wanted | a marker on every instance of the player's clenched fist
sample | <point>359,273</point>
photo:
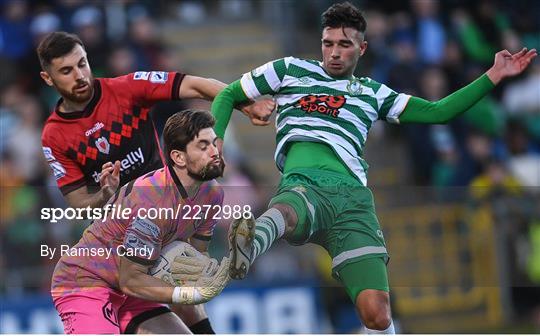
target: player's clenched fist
<point>260,112</point>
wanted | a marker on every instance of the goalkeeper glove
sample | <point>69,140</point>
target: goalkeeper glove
<point>192,266</point>
<point>205,288</point>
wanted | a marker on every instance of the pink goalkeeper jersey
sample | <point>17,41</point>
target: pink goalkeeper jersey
<point>94,260</point>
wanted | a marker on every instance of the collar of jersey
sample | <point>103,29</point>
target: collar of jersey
<point>177,182</point>
<point>87,110</point>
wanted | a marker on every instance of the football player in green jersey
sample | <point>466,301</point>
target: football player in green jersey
<point>324,114</point>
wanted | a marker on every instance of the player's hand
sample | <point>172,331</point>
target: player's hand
<point>190,267</point>
<point>260,111</point>
<point>109,179</point>
<point>206,287</point>
<point>507,65</point>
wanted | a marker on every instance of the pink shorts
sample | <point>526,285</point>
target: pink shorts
<point>104,311</point>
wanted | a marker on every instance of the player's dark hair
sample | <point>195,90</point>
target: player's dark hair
<point>54,45</point>
<point>182,127</point>
<point>344,15</point>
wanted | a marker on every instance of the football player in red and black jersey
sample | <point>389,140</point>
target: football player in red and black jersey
<point>100,134</point>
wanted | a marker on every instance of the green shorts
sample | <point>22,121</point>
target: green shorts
<point>338,213</point>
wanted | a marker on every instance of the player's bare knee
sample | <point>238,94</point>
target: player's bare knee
<point>379,320</point>
<point>291,219</point>
<point>374,308</point>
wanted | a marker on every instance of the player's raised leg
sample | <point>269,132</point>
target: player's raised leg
<point>241,234</point>
<point>374,307</point>
<point>366,283</point>
<point>249,238</point>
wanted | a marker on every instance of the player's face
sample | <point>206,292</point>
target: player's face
<point>203,161</point>
<point>71,76</point>
<point>341,49</point>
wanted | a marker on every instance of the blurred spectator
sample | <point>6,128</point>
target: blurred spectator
<point>25,143</point>
<point>121,61</point>
<point>524,161</point>
<point>481,30</point>
<point>522,100</point>
<point>476,154</point>
<point>14,33</point>
<point>379,59</point>
<point>453,65</point>
<point>89,26</point>
<point>433,86</point>
<point>191,12</point>
<point>41,25</point>
<point>493,181</point>
<point>430,33</point>
<point>144,41</point>
<point>65,10</point>
<point>444,168</point>
<point>406,65</point>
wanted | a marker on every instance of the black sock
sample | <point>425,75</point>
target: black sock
<point>202,327</point>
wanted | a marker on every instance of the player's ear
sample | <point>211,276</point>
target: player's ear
<point>363,47</point>
<point>178,157</point>
<point>46,77</point>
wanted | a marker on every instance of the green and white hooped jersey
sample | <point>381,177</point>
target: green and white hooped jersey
<point>313,106</point>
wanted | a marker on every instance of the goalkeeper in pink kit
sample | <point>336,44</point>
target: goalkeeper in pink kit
<point>115,294</point>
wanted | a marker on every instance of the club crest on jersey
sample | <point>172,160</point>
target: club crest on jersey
<point>324,104</point>
<point>103,145</point>
<point>354,87</point>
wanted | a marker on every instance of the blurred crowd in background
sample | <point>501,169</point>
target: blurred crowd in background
<point>425,48</point>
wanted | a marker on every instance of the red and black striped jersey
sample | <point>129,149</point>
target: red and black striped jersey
<point>115,125</point>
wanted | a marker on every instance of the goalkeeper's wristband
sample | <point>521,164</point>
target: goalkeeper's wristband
<point>186,295</point>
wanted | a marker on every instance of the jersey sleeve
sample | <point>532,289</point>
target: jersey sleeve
<point>142,235</point>
<point>266,79</point>
<point>419,110</point>
<point>390,103</point>
<point>149,87</point>
<point>215,200</point>
<point>67,173</point>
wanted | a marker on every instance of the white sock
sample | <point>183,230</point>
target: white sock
<point>268,228</point>
<point>388,331</point>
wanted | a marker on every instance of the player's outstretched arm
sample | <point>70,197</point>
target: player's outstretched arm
<point>208,88</point>
<point>199,87</point>
<point>233,95</point>
<point>505,65</point>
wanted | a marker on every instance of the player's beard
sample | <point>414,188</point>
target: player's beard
<point>73,96</point>
<point>206,173</point>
